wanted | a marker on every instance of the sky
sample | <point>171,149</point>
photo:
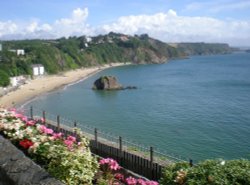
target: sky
<point>221,21</point>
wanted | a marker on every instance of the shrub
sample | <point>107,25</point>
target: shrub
<point>65,158</point>
<point>217,172</point>
<point>4,79</point>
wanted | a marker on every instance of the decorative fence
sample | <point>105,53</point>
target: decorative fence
<point>139,159</point>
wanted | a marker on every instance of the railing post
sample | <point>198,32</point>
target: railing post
<point>44,117</point>
<point>151,162</point>
<point>96,141</point>
<point>75,125</point>
<point>96,135</point>
<point>120,151</point>
<point>120,143</point>
<point>190,162</point>
<point>31,112</point>
<point>151,154</point>
<point>58,123</point>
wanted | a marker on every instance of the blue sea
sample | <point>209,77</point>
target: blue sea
<point>197,108</point>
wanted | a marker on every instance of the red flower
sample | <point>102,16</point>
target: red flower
<point>26,143</point>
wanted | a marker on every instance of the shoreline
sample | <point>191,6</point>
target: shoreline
<point>46,84</point>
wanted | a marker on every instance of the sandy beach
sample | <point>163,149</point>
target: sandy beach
<point>48,83</point>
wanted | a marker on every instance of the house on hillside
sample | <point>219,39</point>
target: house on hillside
<point>89,39</point>
<point>38,70</point>
<point>20,52</point>
<point>17,81</point>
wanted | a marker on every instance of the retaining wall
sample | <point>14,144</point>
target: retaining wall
<point>17,169</point>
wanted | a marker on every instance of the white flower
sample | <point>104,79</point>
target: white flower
<point>44,138</point>
<point>34,147</point>
<point>222,162</point>
<point>29,131</point>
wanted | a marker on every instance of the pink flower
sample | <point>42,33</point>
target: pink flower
<point>24,118</point>
<point>42,120</point>
<point>42,128</point>
<point>71,138</point>
<point>111,163</point>
<point>69,144</point>
<point>131,181</point>
<point>49,131</point>
<point>141,182</point>
<point>45,130</point>
<point>12,109</point>
<point>104,161</point>
<point>17,115</point>
<point>114,165</point>
<point>30,123</point>
<point>151,183</point>
<point>57,135</point>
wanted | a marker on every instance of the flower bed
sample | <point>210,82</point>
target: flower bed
<point>111,175</point>
<point>63,157</point>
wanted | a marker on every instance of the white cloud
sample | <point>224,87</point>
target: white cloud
<point>46,27</point>
<point>75,25</point>
<point>78,17</point>
<point>65,27</point>
<point>32,27</point>
<point>7,27</point>
<point>166,26</point>
<point>170,27</point>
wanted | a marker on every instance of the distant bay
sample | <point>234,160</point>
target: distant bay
<point>198,108</point>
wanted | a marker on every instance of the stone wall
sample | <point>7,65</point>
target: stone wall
<point>17,169</point>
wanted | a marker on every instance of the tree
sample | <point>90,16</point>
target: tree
<point>4,79</point>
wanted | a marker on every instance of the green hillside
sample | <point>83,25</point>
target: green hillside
<point>64,54</point>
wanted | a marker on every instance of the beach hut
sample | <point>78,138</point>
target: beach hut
<point>38,69</point>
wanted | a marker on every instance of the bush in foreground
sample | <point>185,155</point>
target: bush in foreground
<point>216,172</point>
<point>67,159</point>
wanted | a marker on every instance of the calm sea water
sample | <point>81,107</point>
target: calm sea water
<point>198,108</point>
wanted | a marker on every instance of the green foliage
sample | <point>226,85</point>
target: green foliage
<point>74,52</point>
<point>4,79</point>
<point>216,172</point>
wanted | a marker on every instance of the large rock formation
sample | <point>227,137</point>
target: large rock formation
<point>107,83</point>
